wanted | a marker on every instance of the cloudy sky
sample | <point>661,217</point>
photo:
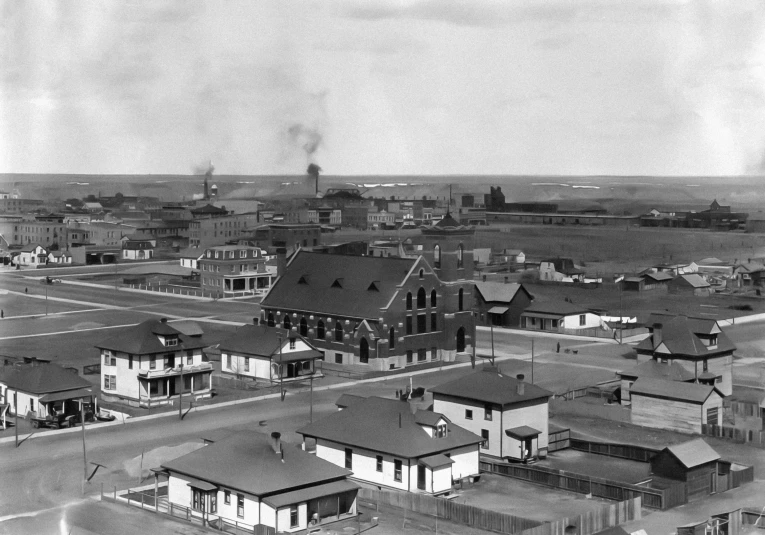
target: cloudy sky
<point>383,86</point>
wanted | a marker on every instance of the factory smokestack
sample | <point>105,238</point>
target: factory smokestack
<point>313,171</point>
<point>208,175</point>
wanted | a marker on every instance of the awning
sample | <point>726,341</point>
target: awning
<point>543,315</point>
<point>522,432</point>
<point>310,493</point>
<point>294,356</point>
<point>202,485</point>
<point>436,461</point>
<point>67,394</point>
<point>498,310</point>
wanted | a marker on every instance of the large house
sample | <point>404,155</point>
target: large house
<point>697,344</point>
<point>652,369</point>
<point>138,247</point>
<point>249,480</point>
<point>44,390</point>
<point>153,364</point>
<point>231,270</point>
<point>32,254</point>
<point>384,312</point>
<point>509,414</point>
<point>388,444</point>
<point>268,354</point>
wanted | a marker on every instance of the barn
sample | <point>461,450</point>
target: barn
<point>673,405</point>
<point>693,462</point>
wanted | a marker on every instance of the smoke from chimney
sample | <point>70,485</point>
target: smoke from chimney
<point>313,171</point>
<point>309,139</point>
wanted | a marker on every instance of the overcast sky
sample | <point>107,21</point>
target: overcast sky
<point>383,86</point>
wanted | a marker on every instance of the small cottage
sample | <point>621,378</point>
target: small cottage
<point>500,304</point>
<point>682,407</point>
<point>32,254</point>
<point>693,462</point>
<point>690,284</point>
<point>559,317</point>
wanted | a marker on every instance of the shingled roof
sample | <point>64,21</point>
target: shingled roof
<point>263,341</point>
<point>673,390</point>
<point>338,284</point>
<point>491,386</point>
<point>497,292</point>
<point>693,453</point>
<point>247,462</point>
<point>557,308</point>
<point>142,339</point>
<point>655,369</point>
<point>388,426</point>
<point>41,379</point>
<point>679,335</point>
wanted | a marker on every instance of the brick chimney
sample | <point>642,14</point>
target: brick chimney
<point>276,442</point>
<point>521,385</point>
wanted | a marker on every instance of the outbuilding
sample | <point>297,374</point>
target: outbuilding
<point>693,462</point>
<point>691,284</point>
<point>682,407</point>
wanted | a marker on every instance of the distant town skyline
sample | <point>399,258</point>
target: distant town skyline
<point>383,87</point>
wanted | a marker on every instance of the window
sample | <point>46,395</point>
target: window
<point>293,516</point>
<point>487,412</point>
<point>409,356</point>
<point>242,254</point>
<point>303,330</point>
<point>437,256</point>
<point>433,298</point>
<point>214,502</point>
<point>292,343</point>
<point>460,300</point>
<point>270,320</point>
<point>197,500</point>
<point>460,256</point>
<point>409,325</point>
<point>433,322</point>
<point>468,414</point>
<point>379,464</point>
<point>31,404</point>
<point>485,437</point>
<point>109,359</point>
<point>287,322</point>
<point>171,342</point>
<point>240,505</point>
<point>320,333</point>
<point>246,364</point>
<point>397,470</point>
<point>130,362</point>
<point>392,338</point>
<point>421,299</point>
<point>153,388</point>
<point>409,301</point>
<point>338,358</point>
<point>433,353</point>
<point>338,332</point>
<point>422,323</point>
<point>422,355</point>
<point>422,274</point>
<point>110,382</point>
<point>349,458</point>
<point>582,320</point>
<point>189,357</point>
<point>705,366</point>
<point>440,431</point>
<point>153,363</point>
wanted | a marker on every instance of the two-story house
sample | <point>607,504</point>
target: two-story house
<point>268,354</point>
<point>231,270</point>
<point>32,255</point>
<point>152,364</point>
<point>387,443</point>
<point>509,414</point>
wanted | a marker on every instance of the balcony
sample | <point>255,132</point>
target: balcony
<point>170,372</point>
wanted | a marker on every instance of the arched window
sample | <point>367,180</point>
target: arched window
<point>364,351</point>
<point>437,256</point>
<point>392,338</point>
<point>421,299</point>
<point>460,303</point>
<point>460,260</point>
<point>288,322</point>
<point>409,301</point>
<point>270,320</point>
<point>460,340</point>
<point>433,299</point>
<point>320,333</point>
<point>338,332</point>
<point>303,327</point>
<point>422,274</point>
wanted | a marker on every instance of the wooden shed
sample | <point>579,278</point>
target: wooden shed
<point>693,462</point>
<point>674,405</point>
<point>690,283</point>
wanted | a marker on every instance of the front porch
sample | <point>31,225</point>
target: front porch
<point>248,282</point>
<point>161,387</point>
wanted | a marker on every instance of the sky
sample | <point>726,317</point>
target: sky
<point>379,87</point>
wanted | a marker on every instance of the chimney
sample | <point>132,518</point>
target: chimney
<point>163,320</point>
<point>657,335</point>
<point>276,442</point>
<point>521,384</point>
<point>255,321</point>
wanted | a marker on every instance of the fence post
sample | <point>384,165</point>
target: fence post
<point>128,496</point>
<point>115,492</point>
<point>102,490</point>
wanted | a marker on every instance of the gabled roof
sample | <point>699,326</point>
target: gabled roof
<point>693,280</point>
<point>655,369</point>
<point>693,453</point>
<point>209,209</point>
<point>258,340</point>
<point>247,462</point>
<point>558,308</point>
<point>41,379</point>
<point>346,400</point>
<point>30,247</point>
<point>188,327</point>
<point>679,336</point>
<point>673,390</point>
<point>490,386</point>
<point>659,276</point>
<point>386,426</point>
<point>353,298</point>
<point>142,339</point>
<point>192,252</point>
<point>496,292</point>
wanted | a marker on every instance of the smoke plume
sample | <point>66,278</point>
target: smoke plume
<point>204,169</point>
<point>307,138</point>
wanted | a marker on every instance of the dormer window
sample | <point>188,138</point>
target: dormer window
<point>171,342</point>
<point>243,253</point>
<point>303,279</point>
<point>373,287</point>
<point>338,283</point>
<point>292,343</point>
<point>440,431</point>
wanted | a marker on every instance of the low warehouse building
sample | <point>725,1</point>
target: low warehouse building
<point>682,407</point>
<point>693,462</point>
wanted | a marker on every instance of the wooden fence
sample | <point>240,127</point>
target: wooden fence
<point>558,439</point>
<point>623,451</point>
<point>459,513</point>
<point>739,476</point>
<point>672,495</point>
<point>592,521</point>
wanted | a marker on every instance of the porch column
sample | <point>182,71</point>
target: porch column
<point>156,492</point>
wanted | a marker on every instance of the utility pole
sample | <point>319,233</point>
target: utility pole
<point>84,453</point>
<point>281,370</point>
<point>532,361</point>
<point>16,413</point>
<point>621,311</point>
<point>491,324</point>
<point>180,396</point>
<point>46,296</point>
